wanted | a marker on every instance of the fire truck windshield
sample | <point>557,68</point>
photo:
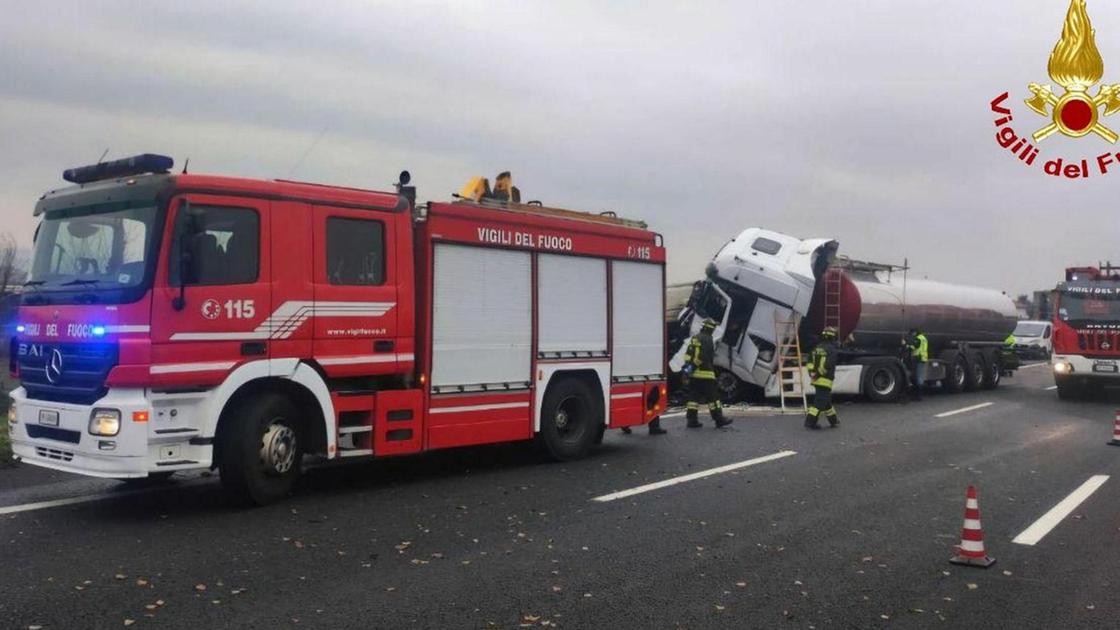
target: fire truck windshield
<point>93,254</point>
<point>1089,304</point>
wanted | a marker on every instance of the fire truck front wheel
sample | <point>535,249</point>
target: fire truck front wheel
<point>570,420</point>
<point>262,450</point>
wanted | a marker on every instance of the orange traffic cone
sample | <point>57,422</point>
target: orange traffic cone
<point>1115,441</point>
<point>971,550</point>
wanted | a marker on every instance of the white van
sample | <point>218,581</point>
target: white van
<point>1034,339</point>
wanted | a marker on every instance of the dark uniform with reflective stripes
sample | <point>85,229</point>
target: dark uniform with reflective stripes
<point>822,369</point>
<point>702,378</point>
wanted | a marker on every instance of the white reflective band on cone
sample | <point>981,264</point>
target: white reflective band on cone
<point>971,523</point>
<point>972,545</point>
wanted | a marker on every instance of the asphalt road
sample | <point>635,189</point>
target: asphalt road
<point>854,530</point>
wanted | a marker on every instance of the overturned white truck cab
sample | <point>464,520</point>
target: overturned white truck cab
<point>763,285</point>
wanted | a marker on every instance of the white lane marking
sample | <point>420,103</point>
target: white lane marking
<point>675,414</point>
<point>173,368</point>
<point>1031,365</point>
<point>512,405</point>
<point>622,494</point>
<point>1049,520</point>
<point>1051,388</point>
<point>963,410</point>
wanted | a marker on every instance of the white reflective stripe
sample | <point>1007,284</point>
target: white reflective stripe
<point>972,504</point>
<point>289,316</point>
<point>623,396</point>
<point>169,368</point>
<point>972,545</point>
<point>515,405</point>
<point>365,358</point>
<point>971,523</point>
<point>128,329</point>
<point>218,336</point>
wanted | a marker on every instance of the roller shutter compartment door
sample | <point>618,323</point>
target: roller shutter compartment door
<point>482,319</point>
<point>637,329</point>
<point>571,306</point>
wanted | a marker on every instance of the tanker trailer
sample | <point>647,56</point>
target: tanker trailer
<point>761,280</point>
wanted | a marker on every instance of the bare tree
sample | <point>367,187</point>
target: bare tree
<point>11,271</point>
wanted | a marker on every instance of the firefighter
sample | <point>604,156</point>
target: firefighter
<point>822,369</point>
<point>918,345</point>
<point>701,377</point>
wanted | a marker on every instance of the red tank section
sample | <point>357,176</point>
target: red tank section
<point>847,308</point>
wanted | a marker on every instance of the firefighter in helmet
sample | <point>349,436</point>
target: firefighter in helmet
<point>822,369</point>
<point>701,376</point>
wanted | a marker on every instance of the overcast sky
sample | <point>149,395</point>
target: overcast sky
<point>867,122</point>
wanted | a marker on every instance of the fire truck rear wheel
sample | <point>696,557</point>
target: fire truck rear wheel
<point>262,449</point>
<point>570,420</point>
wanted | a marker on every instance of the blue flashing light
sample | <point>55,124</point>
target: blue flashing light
<point>20,328</point>
<point>98,331</point>
<point>135,165</point>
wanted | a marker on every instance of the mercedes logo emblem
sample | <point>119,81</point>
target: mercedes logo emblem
<point>54,367</point>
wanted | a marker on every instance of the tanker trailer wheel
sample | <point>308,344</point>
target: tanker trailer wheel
<point>974,376</point>
<point>956,373</point>
<point>570,420</point>
<point>884,382</point>
<point>261,449</point>
<point>993,371</point>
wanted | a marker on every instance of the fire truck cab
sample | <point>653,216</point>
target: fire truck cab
<point>1087,330</point>
<point>179,322</point>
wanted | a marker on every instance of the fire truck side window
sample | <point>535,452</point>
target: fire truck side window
<point>223,246</point>
<point>355,251</point>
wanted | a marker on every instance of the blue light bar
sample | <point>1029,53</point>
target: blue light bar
<point>20,328</point>
<point>98,331</point>
<point>135,165</point>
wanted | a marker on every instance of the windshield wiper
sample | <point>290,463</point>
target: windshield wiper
<point>80,281</point>
<point>34,283</point>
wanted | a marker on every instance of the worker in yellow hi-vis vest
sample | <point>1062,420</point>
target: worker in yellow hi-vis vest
<point>700,371</point>
<point>919,355</point>
<point>822,370</point>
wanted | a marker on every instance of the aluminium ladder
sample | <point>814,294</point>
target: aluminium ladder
<point>791,375</point>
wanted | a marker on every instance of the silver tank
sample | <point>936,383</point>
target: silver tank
<point>885,308</point>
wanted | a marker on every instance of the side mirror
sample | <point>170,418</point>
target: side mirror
<point>182,256</point>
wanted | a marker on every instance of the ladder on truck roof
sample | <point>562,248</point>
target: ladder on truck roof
<point>535,208</point>
<point>791,376</point>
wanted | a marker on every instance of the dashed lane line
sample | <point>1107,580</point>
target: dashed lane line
<point>1049,389</point>
<point>1050,520</point>
<point>1033,365</point>
<point>964,410</point>
<point>90,498</point>
<point>649,487</point>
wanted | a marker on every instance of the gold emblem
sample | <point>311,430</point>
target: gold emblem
<point>1076,65</point>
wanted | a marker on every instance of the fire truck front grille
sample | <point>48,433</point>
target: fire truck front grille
<point>66,372</point>
<point>1100,341</point>
<point>54,453</point>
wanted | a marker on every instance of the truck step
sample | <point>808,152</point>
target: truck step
<point>355,452</point>
<point>354,429</point>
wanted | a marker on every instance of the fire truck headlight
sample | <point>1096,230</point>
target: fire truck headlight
<point>1062,368</point>
<point>106,422</point>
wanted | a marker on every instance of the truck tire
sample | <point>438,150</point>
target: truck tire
<point>731,389</point>
<point>570,420</point>
<point>1068,389</point>
<point>993,370</point>
<point>956,373</point>
<point>883,382</point>
<point>974,376</point>
<point>261,450</point>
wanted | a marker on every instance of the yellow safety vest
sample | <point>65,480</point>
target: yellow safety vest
<point>921,351</point>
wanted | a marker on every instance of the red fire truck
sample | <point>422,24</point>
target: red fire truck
<point>1087,330</point>
<point>178,322</point>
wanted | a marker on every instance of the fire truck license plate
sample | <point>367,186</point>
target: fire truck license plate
<point>1105,366</point>
<point>48,417</point>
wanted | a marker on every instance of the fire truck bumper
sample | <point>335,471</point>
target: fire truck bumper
<point>1085,368</point>
<point>59,436</point>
